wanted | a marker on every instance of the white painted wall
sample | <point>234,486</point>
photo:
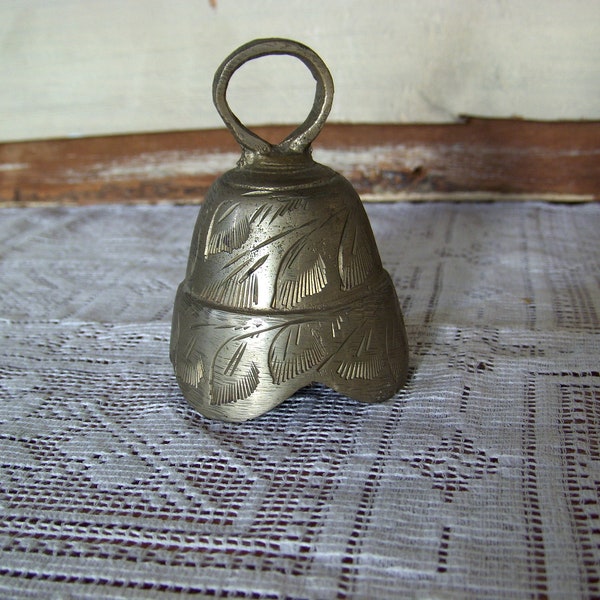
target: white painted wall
<point>88,67</point>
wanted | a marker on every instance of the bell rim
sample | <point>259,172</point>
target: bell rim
<point>367,382</point>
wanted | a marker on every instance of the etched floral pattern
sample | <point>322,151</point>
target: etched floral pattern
<point>306,268</point>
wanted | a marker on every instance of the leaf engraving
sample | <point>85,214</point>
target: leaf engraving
<point>239,288</point>
<point>277,207</point>
<point>190,371</point>
<point>186,355</point>
<point>234,374</point>
<point>361,355</point>
<point>395,346</point>
<point>296,349</point>
<point>297,282</point>
<point>303,271</point>
<point>357,255</point>
<point>229,229</point>
<point>366,368</point>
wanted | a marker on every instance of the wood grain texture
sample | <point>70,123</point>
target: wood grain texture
<point>477,159</point>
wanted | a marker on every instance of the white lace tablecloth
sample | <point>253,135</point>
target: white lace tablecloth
<point>479,480</point>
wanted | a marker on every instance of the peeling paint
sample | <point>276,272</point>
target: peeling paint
<point>13,166</point>
<point>161,165</point>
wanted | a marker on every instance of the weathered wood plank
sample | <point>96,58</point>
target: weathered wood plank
<point>477,159</point>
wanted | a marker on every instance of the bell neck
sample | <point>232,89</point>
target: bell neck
<point>276,158</point>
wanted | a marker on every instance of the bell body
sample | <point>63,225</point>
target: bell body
<point>284,284</point>
<point>284,287</point>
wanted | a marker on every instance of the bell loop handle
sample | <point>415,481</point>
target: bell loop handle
<point>300,139</point>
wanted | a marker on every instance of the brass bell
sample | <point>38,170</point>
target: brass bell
<point>284,283</point>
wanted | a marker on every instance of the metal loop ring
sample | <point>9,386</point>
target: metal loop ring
<point>300,139</point>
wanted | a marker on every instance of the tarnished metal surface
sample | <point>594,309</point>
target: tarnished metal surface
<point>284,284</point>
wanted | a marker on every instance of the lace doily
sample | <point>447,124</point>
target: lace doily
<point>480,479</point>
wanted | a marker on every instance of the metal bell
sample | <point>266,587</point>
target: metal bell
<point>284,283</point>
